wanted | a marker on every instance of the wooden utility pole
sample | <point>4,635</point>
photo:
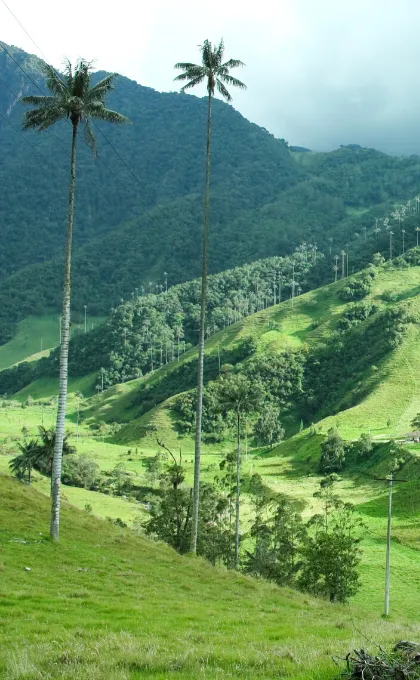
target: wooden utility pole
<point>293,282</point>
<point>390,480</point>
<point>388,548</point>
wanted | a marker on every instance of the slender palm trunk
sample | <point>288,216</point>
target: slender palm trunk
<point>238,489</point>
<point>199,410</point>
<point>64,352</point>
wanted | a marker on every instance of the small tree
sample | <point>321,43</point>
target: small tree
<point>154,468</point>
<point>38,454</point>
<point>120,480</point>
<point>279,537</point>
<point>171,515</point>
<point>268,427</point>
<point>365,444</point>
<point>378,259</point>
<point>414,423</point>
<point>21,465</point>
<point>332,452</point>
<point>238,394</point>
<point>81,471</point>
<point>330,555</point>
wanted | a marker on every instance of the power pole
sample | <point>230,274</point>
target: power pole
<point>390,480</point>
<point>388,547</point>
<point>78,415</point>
<point>85,306</point>
<point>293,282</point>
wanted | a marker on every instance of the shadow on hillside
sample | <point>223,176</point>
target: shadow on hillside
<point>407,294</point>
<point>405,502</point>
<point>293,458</point>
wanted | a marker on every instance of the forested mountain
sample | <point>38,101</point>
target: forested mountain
<point>139,205</point>
<point>153,328</point>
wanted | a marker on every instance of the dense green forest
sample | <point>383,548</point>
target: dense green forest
<point>139,205</point>
<point>155,327</point>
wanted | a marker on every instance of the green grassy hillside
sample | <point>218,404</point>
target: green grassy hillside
<point>35,336</point>
<point>384,391</point>
<point>107,604</point>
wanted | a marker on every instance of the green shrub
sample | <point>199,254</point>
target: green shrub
<point>81,471</point>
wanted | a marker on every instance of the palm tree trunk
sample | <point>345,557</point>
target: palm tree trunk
<point>238,489</point>
<point>64,352</point>
<point>199,408</point>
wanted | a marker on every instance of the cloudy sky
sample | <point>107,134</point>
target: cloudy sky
<point>319,72</point>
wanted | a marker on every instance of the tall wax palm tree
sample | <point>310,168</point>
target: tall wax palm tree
<point>74,98</point>
<point>215,74</point>
<point>238,394</point>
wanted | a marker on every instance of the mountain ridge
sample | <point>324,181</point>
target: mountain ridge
<point>140,216</point>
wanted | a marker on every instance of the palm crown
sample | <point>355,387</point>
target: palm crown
<point>72,97</point>
<point>212,70</point>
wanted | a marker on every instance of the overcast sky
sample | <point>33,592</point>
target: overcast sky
<point>320,73</point>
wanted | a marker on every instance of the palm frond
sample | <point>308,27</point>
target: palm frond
<point>53,81</point>
<point>223,91</point>
<point>89,138</point>
<point>206,54</point>
<point>39,100</point>
<point>186,66</point>
<point>193,83</point>
<point>68,74</point>
<point>101,89</point>
<point>41,119</point>
<point>233,63</point>
<point>230,80</point>
<point>219,51</point>
<point>196,72</point>
<point>82,78</point>
<point>98,110</point>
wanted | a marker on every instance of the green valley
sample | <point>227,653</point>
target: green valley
<point>379,397</point>
<point>210,424</point>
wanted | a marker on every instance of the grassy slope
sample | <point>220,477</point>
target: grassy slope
<point>291,467</point>
<point>33,333</point>
<point>310,320</point>
<point>106,604</point>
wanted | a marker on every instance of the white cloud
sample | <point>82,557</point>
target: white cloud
<point>318,73</point>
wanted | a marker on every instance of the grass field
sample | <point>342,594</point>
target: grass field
<point>107,604</point>
<point>393,393</point>
<point>35,336</point>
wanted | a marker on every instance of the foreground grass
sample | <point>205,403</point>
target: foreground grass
<point>105,603</point>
